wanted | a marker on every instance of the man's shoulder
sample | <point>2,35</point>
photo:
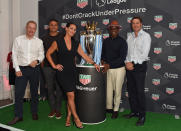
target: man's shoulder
<point>44,36</point>
<point>20,37</point>
<point>38,39</point>
<point>48,37</point>
<point>145,33</point>
<point>130,34</point>
<point>107,39</point>
<point>106,42</point>
<point>121,38</point>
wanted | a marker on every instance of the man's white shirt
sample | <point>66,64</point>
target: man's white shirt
<point>26,50</point>
<point>138,47</point>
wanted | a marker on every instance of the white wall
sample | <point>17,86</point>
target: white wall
<point>13,17</point>
<point>4,46</point>
<point>29,11</point>
<point>23,11</point>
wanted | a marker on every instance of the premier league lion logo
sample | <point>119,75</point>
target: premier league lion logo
<point>100,3</point>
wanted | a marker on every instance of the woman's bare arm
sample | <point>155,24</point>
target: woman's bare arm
<point>50,51</point>
<point>87,58</point>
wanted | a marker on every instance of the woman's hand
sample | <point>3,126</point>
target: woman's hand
<point>58,67</point>
<point>97,67</point>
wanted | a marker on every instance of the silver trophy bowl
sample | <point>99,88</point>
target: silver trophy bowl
<point>90,43</point>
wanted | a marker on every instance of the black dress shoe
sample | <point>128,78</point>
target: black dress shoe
<point>15,120</point>
<point>140,121</point>
<point>114,115</point>
<point>109,110</point>
<point>128,116</point>
<point>35,116</point>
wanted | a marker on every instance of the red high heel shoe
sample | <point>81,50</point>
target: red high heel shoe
<point>68,123</point>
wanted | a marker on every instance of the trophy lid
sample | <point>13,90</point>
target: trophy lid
<point>91,26</point>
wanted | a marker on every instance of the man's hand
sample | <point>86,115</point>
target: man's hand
<point>106,67</point>
<point>129,66</point>
<point>33,63</point>
<point>19,73</point>
<point>42,64</point>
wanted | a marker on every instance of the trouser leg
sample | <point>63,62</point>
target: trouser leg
<point>119,75</point>
<point>20,86</point>
<point>110,86</point>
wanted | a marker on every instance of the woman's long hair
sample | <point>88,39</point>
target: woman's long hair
<point>68,25</point>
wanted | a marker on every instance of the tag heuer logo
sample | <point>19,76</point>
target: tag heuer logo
<point>157,50</point>
<point>158,34</point>
<point>172,58</point>
<point>158,18</point>
<point>155,97</point>
<point>105,36</point>
<point>63,25</point>
<point>173,26</point>
<point>105,21</point>
<point>129,19</point>
<point>170,90</point>
<point>84,79</point>
<point>83,23</point>
<point>46,27</point>
<point>82,3</point>
<point>156,66</point>
<point>156,81</point>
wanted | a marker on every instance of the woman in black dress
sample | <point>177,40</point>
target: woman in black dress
<point>67,49</point>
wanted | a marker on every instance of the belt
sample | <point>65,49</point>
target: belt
<point>144,62</point>
<point>28,66</point>
<point>25,66</point>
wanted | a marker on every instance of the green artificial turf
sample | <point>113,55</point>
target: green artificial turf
<point>154,121</point>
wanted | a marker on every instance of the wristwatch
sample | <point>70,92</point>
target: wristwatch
<point>38,62</point>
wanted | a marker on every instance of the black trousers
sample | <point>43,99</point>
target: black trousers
<point>32,75</point>
<point>43,89</point>
<point>135,86</point>
<point>54,90</point>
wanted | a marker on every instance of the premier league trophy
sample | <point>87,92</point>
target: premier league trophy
<point>91,42</point>
<point>90,93</point>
